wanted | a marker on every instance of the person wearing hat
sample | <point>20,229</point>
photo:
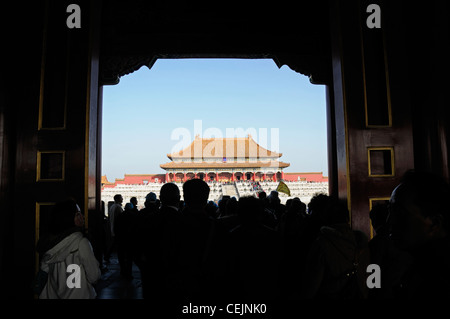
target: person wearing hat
<point>150,197</point>
<point>151,204</point>
<point>65,247</point>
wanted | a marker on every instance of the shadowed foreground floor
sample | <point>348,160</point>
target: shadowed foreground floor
<point>113,286</point>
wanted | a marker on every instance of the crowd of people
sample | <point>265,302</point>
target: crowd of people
<point>259,249</point>
<point>256,186</point>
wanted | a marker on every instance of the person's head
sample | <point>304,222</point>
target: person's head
<point>65,215</point>
<point>288,203</point>
<point>317,204</point>
<point>134,201</point>
<point>150,199</point>
<point>419,209</point>
<point>170,195</point>
<point>335,212</point>
<point>195,193</point>
<point>250,210</point>
<point>118,199</point>
<point>297,206</point>
<point>231,206</point>
<point>128,206</point>
<point>273,198</point>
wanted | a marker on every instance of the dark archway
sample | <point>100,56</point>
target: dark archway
<point>326,40</point>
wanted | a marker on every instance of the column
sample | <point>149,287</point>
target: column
<point>275,177</point>
<point>167,178</point>
<point>282,175</point>
<point>217,176</point>
<point>184,177</point>
<point>264,176</point>
<point>254,176</point>
<point>232,177</point>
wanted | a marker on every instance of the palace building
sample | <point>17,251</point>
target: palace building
<point>224,159</point>
<point>220,160</point>
<point>232,166</point>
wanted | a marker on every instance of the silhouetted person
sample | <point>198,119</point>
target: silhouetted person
<point>229,218</point>
<point>134,201</point>
<point>262,195</point>
<point>124,231</point>
<point>222,206</point>
<point>419,219</point>
<point>114,211</point>
<point>338,258</point>
<point>145,229</point>
<point>383,252</point>
<point>66,245</point>
<point>291,223</point>
<point>170,201</point>
<point>157,240</point>
<point>253,254</point>
<point>276,206</point>
<point>292,235</point>
<point>378,216</point>
<point>193,252</point>
<point>272,210</point>
<point>151,204</point>
<point>316,207</point>
<point>97,224</point>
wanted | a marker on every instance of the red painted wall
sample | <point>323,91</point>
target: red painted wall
<point>134,179</point>
<point>309,177</point>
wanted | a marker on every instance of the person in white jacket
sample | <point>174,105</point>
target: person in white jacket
<point>67,256</point>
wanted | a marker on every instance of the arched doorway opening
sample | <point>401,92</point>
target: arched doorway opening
<point>278,135</point>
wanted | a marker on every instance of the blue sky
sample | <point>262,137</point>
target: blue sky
<point>144,113</point>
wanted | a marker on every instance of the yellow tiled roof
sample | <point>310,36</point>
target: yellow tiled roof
<point>224,147</point>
